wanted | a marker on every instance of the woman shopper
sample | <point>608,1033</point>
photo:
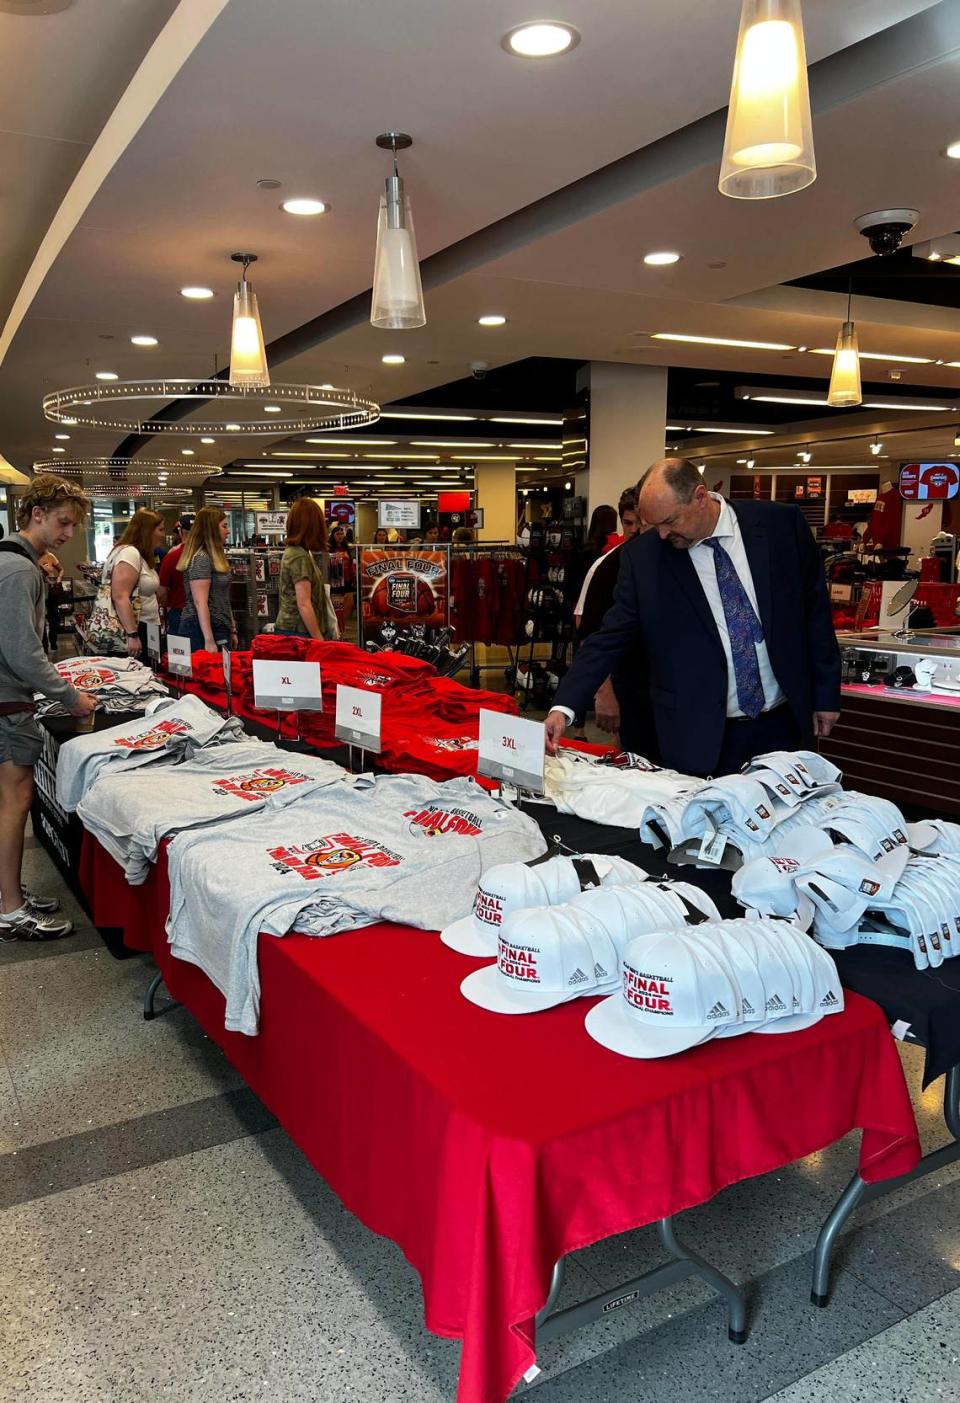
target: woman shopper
<point>305,607</point>
<point>342,575</point>
<point>207,619</point>
<point>130,591</point>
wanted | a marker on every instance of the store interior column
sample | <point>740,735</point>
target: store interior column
<point>627,422</point>
<point>496,492</point>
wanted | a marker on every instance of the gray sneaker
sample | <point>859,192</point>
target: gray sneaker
<point>30,924</point>
<point>45,904</point>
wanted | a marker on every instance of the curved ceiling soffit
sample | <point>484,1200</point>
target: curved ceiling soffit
<point>166,56</point>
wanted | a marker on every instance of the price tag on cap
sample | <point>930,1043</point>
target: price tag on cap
<point>511,749</point>
<point>713,846</point>
<point>153,640</point>
<point>283,686</point>
<point>179,655</point>
<point>358,717</point>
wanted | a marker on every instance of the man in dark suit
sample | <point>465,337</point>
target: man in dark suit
<point>729,604</point>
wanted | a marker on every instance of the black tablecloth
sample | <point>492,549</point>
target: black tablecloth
<point>928,1001</point>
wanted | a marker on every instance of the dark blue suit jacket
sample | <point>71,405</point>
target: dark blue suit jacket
<point>659,605</point>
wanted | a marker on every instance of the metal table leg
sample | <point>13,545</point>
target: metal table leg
<point>858,1191</point>
<point>150,1011</point>
<point>551,1323</point>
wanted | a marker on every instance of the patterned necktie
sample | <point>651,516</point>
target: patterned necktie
<point>744,630</point>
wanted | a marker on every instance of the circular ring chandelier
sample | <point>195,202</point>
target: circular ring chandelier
<point>131,477</point>
<point>92,407</point>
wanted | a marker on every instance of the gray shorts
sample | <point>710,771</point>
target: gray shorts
<point>20,739</point>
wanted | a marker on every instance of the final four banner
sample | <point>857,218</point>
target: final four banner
<point>402,587</point>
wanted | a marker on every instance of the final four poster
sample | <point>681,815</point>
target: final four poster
<point>403,586</point>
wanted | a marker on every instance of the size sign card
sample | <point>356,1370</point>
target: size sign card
<point>287,686</point>
<point>153,640</point>
<point>358,717</point>
<point>511,749</point>
<point>225,655</point>
<point>178,655</point>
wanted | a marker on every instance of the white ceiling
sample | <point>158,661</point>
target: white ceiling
<point>61,75</point>
<point>297,90</point>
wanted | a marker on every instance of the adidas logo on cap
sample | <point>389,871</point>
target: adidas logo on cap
<point>578,977</point>
<point>829,1000</point>
<point>718,1011</point>
<point>775,1004</point>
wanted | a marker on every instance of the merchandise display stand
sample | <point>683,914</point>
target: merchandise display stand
<point>858,1192</point>
<point>486,1193</point>
<point>553,1323</point>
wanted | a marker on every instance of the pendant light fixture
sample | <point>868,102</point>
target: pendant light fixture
<point>248,358</point>
<point>397,301</point>
<point>845,378</point>
<point>768,148</point>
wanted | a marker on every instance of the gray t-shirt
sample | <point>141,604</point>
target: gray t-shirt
<point>201,568</point>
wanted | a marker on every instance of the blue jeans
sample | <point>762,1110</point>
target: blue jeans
<point>193,631</point>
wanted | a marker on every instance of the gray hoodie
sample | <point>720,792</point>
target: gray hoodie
<point>24,667</point>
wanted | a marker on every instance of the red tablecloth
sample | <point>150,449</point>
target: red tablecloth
<point>486,1146</point>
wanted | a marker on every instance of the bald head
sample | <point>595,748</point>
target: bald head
<point>674,501</point>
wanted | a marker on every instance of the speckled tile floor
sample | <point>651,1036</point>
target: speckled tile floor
<point>161,1238</point>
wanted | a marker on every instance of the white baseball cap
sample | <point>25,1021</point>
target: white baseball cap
<point>743,962</point>
<point>518,886</point>
<point>509,887</point>
<point>674,994</point>
<point>818,986</point>
<point>544,958</point>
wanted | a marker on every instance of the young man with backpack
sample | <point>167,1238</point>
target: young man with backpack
<point>47,514</point>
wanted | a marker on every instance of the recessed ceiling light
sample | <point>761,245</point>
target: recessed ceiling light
<point>197,294</point>
<point>304,206</point>
<point>59,450</point>
<point>374,442</point>
<point>393,359</point>
<point>662,259</point>
<point>425,414</point>
<point>208,440</point>
<point>744,432</point>
<point>875,355</point>
<point>328,386</point>
<point>450,443</point>
<point>491,319</point>
<point>721,341</point>
<point>272,409</point>
<point>64,436</point>
<point>540,39</point>
<point>143,341</point>
<point>953,151</point>
<point>503,420</point>
<point>107,375</point>
<point>187,452</point>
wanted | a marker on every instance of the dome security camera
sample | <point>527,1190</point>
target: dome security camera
<point>478,369</point>
<point>884,228</point>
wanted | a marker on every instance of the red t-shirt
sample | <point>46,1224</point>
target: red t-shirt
<point>172,579</point>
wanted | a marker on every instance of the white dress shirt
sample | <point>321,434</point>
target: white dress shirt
<point>727,532</point>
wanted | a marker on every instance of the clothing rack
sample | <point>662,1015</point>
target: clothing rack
<point>494,551</point>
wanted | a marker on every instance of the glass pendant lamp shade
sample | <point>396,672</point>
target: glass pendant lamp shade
<point>397,294</point>
<point>768,148</point>
<point>248,358</point>
<point>845,379</point>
